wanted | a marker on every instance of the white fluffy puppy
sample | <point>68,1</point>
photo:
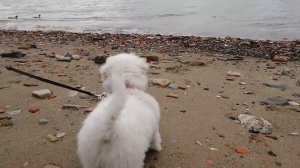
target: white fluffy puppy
<point>118,133</point>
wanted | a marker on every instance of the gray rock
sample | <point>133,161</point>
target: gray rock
<point>255,124</point>
<point>51,138</point>
<point>73,106</point>
<point>275,101</point>
<point>12,54</point>
<point>161,82</point>
<point>42,94</point>
<point>43,121</point>
<point>281,86</point>
<point>173,86</point>
<point>62,58</point>
<point>232,73</point>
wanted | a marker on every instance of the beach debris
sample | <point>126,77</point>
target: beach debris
<point>42,94</point>
<point>60,135</point>
<point>280,59</point>
<point>5,121</point>
<point>298,83</point>
<point>76,57</point>
<point>51,166</point>
<point>292,103</point>
<point>152,58</point>
<point>30,84</point>
<point>27,47</point>
<point>33,109</point>
<point>271,153</point>
<point>293,133</point>
<point>242,150</point>
<point>51,138</point>
<point>62,58</point>
<point>255,124</point>
<point>173,86</point>
<point>233,73</point>
<point>12,54</point>
<point>275,101</point>
<point>172,95</point>
<point>100,59</point>
<point>73,106</point>
<point>43,121</point>
<point>281,86</point>
<point>161,82</point>
<point>198,143</point>
<point>14,113</point>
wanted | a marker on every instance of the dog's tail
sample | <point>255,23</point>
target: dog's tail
<point>116,104</point>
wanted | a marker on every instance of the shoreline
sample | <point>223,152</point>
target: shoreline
<point>268,49</point>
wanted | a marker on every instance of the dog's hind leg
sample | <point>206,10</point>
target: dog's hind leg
<point>156,141</point>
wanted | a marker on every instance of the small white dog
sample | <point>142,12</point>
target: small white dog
<point>121,129</point>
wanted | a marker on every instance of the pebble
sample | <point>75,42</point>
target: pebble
<point>62,58</point>
<point>198,143</point>
<point>275,101</point>
<point>182,87</point>
<point>271,153</point>
<point>161,82</point>
<point>76,57</point>
<point>2,110</point>
<point>235,74</point>
<point>206,88</point>
<point>293,133</point>
<point>100,59</point>
<point>280,59</point>
<point>14,113</point>
<point>51,138</point>
<point>43,121</point>
<point>213,149</point>
<point>30,84</point>
<point>173,86</point>
<point>51,166</point>
<point>281,86</point>
<point>42,94</point>
<point>172,95</point>
<point>12,54</point>
<point>33,109</point>
<point>292,103</point>
<point>60,134</point>
<point>242,150</point>
<point>255,124</point>
<point>60,74</point>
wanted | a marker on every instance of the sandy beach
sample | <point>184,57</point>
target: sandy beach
<point>212,80</point>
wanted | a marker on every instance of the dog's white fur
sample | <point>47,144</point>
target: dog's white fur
<point>118,133</point>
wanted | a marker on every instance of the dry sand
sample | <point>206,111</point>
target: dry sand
<point>24,144</point>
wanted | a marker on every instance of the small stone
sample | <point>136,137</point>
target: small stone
<point>242,83</point>
<point>89,109</point>
<point>206,88</point>
<point>213,149</point>
<point>152,58</point>
<point>255,124</point>
<point>43,121</point>
<point>67,54</point>
<point>62,58</point>
<point>30,84</point>
<point>60,135</point>
<point>280,59</point>
<point>83,96</point>
<point>182,87</point>
<point>33,109</point>
<point>183,111</point>
<point>51,166</point>
<point>100,59</point>
<point>275,101</point>
<point>73,106</point>
<point>173,86</point>
<point>271,153</point>
<point>242,150</point>
<point>60,74</point>
<point>27,47</point>
<point>161,82</point>
<point>42,94</point>
<point>12,54</point>
<point>229,79</point>
<point>51,138</point>
<point>14,113</point>
<point>281,86</point>
<point>293,133</point>
<point>172,95</point>
<point>271,136</point>
<point>2,110</point>
<point>235,74</point>
<point>198,143</point>
<point>292,103</point>
<point>76,57</point>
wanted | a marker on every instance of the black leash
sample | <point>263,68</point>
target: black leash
<point>101,96</point>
